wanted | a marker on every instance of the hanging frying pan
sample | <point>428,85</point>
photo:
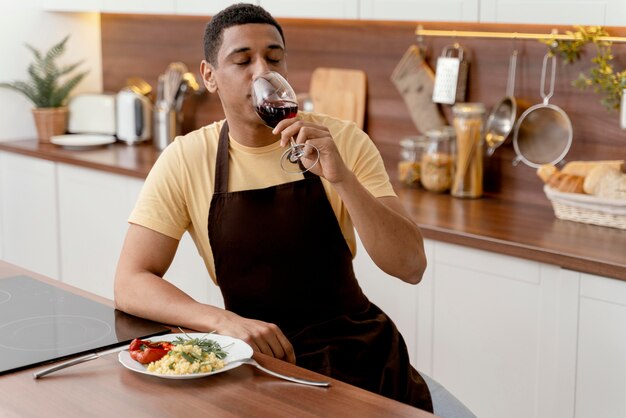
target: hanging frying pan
<point>543,133</point>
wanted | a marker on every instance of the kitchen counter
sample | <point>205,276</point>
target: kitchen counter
<point>524,230</point>
<point>103,387</point>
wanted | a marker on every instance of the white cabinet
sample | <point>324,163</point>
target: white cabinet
<point>190,275</point>
<point>421,10</point>
<point>29,213</point>
<point>1,205</point>
<point>94,208</point>
<point>561,12</point>
<point>503,332</point>
<point>203,7</point>
<point>564,12</point>
<point>396,298</point>
<point>601,372</point>
<point>187,270</point>
<point>499,332</point>
<point>139,6</point>
<point>72,5</point>
<point>112,6</point>
<point>181,7</point>
<point>317,9</point>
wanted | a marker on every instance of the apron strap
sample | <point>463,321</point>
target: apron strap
<point>221,164</point>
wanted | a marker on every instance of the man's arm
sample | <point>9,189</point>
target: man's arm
<point>392,240</point>
<point>141,290</point>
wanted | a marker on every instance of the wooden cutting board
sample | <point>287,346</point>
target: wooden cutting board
<point>339,92</point>
<point>415,81</point>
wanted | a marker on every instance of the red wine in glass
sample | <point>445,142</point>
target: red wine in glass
<point>273,100</point>
<point>273,112</point>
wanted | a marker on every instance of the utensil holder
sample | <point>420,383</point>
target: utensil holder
<point>166,127</point>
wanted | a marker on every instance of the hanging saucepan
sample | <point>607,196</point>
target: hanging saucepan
<point>543,133</point>
<point>504,114</point>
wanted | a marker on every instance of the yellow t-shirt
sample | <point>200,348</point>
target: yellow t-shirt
<point>177,193</point>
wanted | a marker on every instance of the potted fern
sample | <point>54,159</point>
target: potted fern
<point>48,87</point>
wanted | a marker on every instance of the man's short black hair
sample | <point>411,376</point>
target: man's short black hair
<point>237,14</point>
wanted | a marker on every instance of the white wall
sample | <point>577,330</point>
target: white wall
<point>22,22</point>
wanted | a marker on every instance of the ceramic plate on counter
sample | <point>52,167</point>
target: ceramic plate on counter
<point>82,141</point>
<point>238,351</point>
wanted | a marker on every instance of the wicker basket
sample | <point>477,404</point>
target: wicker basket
<point>587,209</point>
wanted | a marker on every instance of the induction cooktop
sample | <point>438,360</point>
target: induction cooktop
<point>40,323</point>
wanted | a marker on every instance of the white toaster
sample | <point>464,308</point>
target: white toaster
<point>134,117</point>
<point>92,113</point>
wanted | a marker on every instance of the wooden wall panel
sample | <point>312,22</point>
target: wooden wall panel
<point>144,45</point>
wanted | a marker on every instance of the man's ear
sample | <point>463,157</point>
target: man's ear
<point>208,76</point>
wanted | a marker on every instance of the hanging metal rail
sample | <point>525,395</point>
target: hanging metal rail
<point>420,31</point>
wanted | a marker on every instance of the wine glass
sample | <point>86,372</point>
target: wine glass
<point>274,100</point>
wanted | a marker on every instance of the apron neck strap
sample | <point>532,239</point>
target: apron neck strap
<point>221,165</point>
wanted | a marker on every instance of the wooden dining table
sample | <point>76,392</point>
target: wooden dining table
<point>103,387</point>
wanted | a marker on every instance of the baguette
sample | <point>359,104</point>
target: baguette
<point>546,171</point>
<point>582,168</point>
<point>558,180</point>
<point>567,183</point>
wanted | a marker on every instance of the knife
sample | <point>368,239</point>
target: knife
<point>78,360</point>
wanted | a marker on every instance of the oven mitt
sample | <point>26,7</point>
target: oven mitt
<point>415,81</point>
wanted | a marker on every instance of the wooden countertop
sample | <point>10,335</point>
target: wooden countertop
<point>524,230</point>
<point>102,387</point>
<point>134,161</point>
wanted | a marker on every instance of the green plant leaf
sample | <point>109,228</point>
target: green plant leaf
<point>44,86</point>
<point>62,92</point>
<point>26,89</point>
<point>69,68</point>
<point>601,76</point>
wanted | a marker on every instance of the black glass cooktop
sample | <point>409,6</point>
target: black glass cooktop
<point>40,323</point>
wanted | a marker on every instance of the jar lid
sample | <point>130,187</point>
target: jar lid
<point>438,134</point>
<point>412,142</point>
<point>468,109</point>
<point>450,130</point>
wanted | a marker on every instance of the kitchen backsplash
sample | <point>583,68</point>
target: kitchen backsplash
<point>144,46</point>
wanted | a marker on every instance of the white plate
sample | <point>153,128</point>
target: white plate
<point>82,141</point>
<point>237,352</point>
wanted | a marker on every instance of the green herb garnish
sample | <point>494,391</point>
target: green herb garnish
<point>205,344</point>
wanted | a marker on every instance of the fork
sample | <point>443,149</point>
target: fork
<point>308,382</point>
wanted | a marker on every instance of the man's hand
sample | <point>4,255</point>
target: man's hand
<point>331,165</point>
<point>262,336</point>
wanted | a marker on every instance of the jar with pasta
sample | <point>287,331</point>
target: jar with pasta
<point>437,160</point>
<point>410,160</point>
<point>468,125</point>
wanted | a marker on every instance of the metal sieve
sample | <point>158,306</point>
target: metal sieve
<point>543,133</point>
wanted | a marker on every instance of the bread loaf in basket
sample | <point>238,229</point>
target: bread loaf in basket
<point>592,192</point>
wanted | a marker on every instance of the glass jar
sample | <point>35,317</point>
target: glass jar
<point>410,160</point>
<point>437,160</point>
<point>468,125</point>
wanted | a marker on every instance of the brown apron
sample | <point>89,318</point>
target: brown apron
<point>280,257</point>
